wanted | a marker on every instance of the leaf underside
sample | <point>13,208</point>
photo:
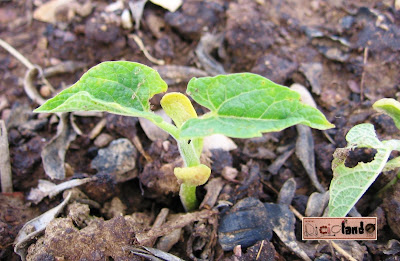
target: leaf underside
<point>349,184</point>
<point>245,105</point>
<point>118,87</point>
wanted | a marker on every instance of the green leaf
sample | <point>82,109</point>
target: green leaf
<point>118,87</point>
<point>349,184</point>
<point>244,105</point>
<point>391,107</point>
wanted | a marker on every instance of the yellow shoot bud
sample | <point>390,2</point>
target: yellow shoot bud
<point>177,106</point>
<point>193,176</point>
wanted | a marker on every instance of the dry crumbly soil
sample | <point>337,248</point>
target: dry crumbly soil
<point>346,53</point>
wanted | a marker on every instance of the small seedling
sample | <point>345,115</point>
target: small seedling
<point>242,105</point>
<point>349,184</point>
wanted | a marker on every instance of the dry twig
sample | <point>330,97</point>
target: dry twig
<point>139,42</point>
<point>5,167</point>
<point>31,74</point>
<point>97,129</point>
<point>363,74</point>
<point>16,54</point>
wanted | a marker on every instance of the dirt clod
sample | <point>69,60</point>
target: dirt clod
<point>100,240</point>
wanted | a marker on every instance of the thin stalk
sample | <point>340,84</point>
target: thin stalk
<point>188,153</point>
<point>168,127</point>
<point>188,197</point>
<point>187,193</point>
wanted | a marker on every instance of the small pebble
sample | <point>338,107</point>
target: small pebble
<point>45,91</point>
<point>103,140</point>
<point>229,173</point>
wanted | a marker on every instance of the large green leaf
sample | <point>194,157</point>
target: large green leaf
<point>349,184</point>
<point>244,105</point>
<point>118,87</point>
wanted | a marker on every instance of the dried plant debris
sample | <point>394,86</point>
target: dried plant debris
<point>53,153</point>
<point>392,248</point>
<point>287,192</point>
<point>352,247</point>
<point>305,142</point>
<point>313,72</point>
<point>332,47</point>
<point>213,187</point>
<point>46,188</point>
<point>5,167</point>
<point>137,8</point>
<point>35,227</point>
<point>305,153</point>
<point>206,46</point>
<point>316,204</point>
<point>218,141</point>
<point>152,254</point>
<point>146,237</point>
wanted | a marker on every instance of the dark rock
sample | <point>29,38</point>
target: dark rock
<point>244,225</point>
<point>102,189</point>
<point>118,158</point>
<point>164,47</point>
<point>98,30</point>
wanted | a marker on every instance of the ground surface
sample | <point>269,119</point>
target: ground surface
<point>346,53</point>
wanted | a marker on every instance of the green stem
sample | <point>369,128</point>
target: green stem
<point>191,158</point>
<point>168,127</point>
<point>188,153</point>
<point>187,193</point>
<point>188,197</point>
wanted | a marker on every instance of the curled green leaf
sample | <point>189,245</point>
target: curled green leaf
<point>390,107</point>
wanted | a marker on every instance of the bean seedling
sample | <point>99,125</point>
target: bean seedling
<point>349,184</point>
<point>241,105</point>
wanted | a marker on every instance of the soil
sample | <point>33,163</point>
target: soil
<point>346,53</point>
